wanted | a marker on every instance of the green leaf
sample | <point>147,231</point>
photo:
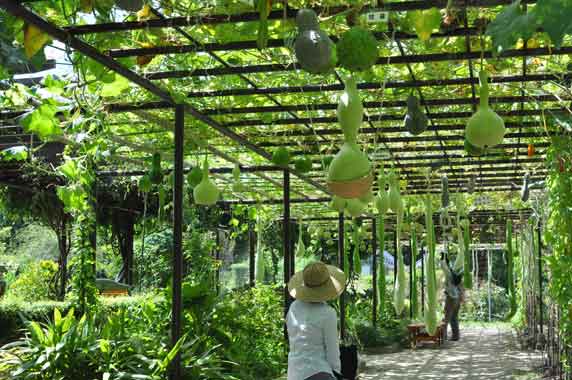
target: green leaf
<point>116,87</point>
<point>53,85</point>
<point>42,121</point>
<point>510,25</point>
<point>15,153</point>
<point>424,22</point>
<point>554,16</point>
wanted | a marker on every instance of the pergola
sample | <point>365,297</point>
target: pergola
<point>259,113</point>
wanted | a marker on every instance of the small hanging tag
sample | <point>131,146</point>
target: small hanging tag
<point>376,17</point>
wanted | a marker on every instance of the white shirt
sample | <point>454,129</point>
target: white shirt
<point>313,336</point>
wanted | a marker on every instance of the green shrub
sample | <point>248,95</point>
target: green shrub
<point>35,283</point>
<point>476,305</point>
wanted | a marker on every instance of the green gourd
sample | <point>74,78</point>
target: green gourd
<point>355,207</point>
<point>350,163</point>
<point>510,270</point>
<point>459,264</point>
<point>468,275</point>
<point>145,184</point>
<point>350,110</point>
<point>415,121</point>
<point>357,49</point>
<point>381,283</point>
<point>206,193</point>
<point>444,191</point>
<point>315,51</point>
<point>300,247</point>
<point>382,199</point>
<point>338,203</point>
<point>356,256</point>
<point>346,257</point>
<point>368,197</point>
<point>485,128</point>
<point>281,157</point>
<point>395,201</point>
<point>473,150</point>
<point>195,176</point>
<point>431,276</point>
<point>156,174</point>
<point>237,185</point>
<point>400,284</point>
<point>259,262</point>
<point>303,165</point>
<point>414,299</point>
<point>326,161</point>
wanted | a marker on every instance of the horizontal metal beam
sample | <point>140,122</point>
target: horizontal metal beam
<point>279,14</point>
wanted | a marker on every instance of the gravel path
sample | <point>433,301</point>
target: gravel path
<point>481,354</point>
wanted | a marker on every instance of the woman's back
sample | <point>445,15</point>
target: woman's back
<point>312,330</point>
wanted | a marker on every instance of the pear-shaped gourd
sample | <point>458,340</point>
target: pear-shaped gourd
<point>485,128</point>
<point>206,193</point>
<point>395,201</point>
<point>415,121</point>
<point>237,185</point>
<point>315,51</point>
<point>303,164</point>
<point>349,163</point>
<point>195,176</point>
<point>382,199</point>
<point>355,207</point>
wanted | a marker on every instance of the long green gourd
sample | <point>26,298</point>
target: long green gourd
<point>356,257</point>
<point>414,300</point>
<point>300,246</point>
<point>510,270</point>
<point>259,264</point>
<point>400,285</point>
<point>347,269</point>
<point>431,309</point>
<point>381,284</point>
<point>468,274</point>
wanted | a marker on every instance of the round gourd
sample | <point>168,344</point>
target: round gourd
<point>355,207</point>
<point>206,193</point>
<point>195,176</point>
<point>357,49</point>
<point>314,49</point>
<point>303,165</point>
<point>350,110</point>
<point>281,157</point>
<point>338,203</point>
<point>485,128</point>
<point>473,150</point>
<point>350,163</point>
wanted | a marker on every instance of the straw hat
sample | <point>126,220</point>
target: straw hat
<point>317,282</point>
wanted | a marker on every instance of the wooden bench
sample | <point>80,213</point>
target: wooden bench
<point>418,333</point>
<point>114,292</point>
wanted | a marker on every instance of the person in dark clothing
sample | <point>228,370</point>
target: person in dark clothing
<point>453,297</point>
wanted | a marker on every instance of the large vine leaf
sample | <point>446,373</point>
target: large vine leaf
<point>510,25</point>
<point>424,22</point>
<point>42,122</point>
<point>554,17</point>
<point>34,40</point>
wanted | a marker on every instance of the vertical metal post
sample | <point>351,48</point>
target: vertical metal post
<point>177,238</point>
<point>540,290</point>
<point>395,256</point>
<point>286,243</point>
<point>252,253</point>
<point>341,253</point>
<point>374,269</point>
<point>291,251</point>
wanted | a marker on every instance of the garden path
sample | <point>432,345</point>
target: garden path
<point>481,354</point>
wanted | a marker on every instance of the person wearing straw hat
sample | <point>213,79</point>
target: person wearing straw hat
<point>313,324</point>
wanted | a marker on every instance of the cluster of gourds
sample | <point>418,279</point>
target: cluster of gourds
<point>356,50</point>
<point>349,174</point>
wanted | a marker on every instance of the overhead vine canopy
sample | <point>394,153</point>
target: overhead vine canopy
<point>232,63</point>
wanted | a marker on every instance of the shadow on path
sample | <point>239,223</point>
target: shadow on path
<point>481,354</point>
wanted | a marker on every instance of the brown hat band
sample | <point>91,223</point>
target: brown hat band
<point>317,285</point>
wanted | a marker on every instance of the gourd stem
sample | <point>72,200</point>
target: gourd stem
<point>484,91</point>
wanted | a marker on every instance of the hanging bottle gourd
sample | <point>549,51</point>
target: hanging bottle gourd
<point>346,255</point>
<point>300,246</point>
<point>156,174</point>
<point>206,193</point>
<point>415,121</point>
<point>510,270</point>
<point>356,256</point>
<point>349,174</point>
<point>382,199</point>
<point>381,283</point>
<point>413,262</point>
<point>260,263</point>
<point>195,176</point>
<point>444,191</point>
<point>303,165</point>
<point>315,51</point>
<point>485,128</point>
<point>395,201</point>
<point>468,273</point>
<point>237,185</point>
<point>400,284</point>
<point>431,276</point>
